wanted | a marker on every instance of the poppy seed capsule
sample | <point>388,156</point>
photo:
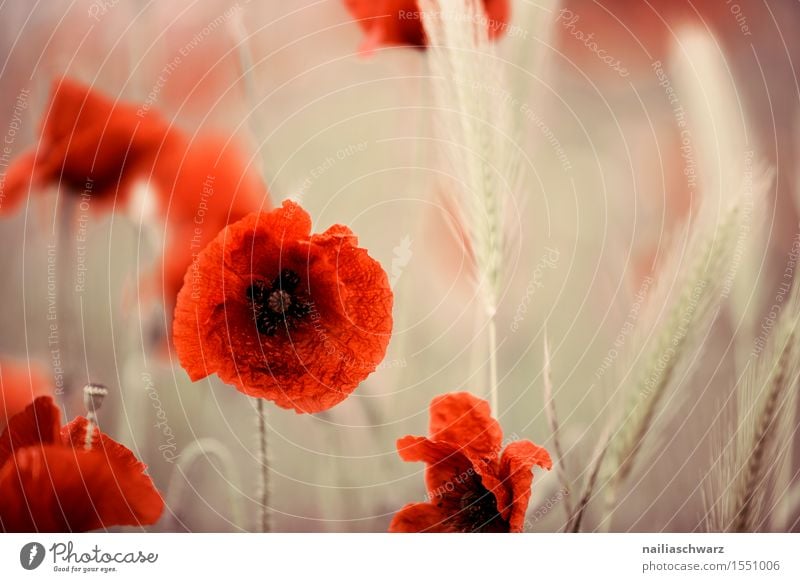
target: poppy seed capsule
<point>93,395</point>
<point>279,301</point>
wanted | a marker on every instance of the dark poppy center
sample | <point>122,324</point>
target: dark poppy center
<point>479,512</point>
<point>278,304</point>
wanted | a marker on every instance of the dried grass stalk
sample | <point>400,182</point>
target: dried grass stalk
<point>576,519</point>
<point>555,429</point>
<point>739,494</point>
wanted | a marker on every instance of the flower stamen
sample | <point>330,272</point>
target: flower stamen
<point>278,304</point>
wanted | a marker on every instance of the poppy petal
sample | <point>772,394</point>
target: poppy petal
<point>19,178</point>
<point>448,471</point>
<point>516,466</point>
<point>21,382</point>
<point>92,141</point>
<point>419,518</point>
<point>74,435</point>
<point>38,424</point>
<point>466,420</point>
<point>224,263</point>
<point>60,489</point>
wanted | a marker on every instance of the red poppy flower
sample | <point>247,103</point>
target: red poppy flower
<point>20,384</point>
<point>399,22</point>
<point>282,314</point>
<point>51,482</point>
<point>472,487</point>
<point>89,144</point>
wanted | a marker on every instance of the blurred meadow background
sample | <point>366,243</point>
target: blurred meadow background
<point>629,143</point>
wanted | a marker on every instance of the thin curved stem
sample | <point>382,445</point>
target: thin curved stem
<point>493,385</point>
<point>265,516</point>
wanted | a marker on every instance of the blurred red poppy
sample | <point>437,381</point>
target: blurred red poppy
<point>51,482</point>
<point>202,186</point>
<point>399,22</point>
<point>472,487</point>
<point>282,314</point>
<point>20,383</point>
<point>100,148</point>
<point>89,144</point>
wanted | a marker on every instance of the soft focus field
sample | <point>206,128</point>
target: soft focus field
<point>608,183</point>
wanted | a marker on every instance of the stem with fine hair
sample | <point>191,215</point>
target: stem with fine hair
<point>493,365</point>
<point>263,458</point>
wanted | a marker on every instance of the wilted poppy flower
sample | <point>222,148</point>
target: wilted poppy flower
<point>89,144</point>
<point>399,22</point>
<point>51,482</point>
<point>282,314</point>
<point>20,383</point>
<point>472,487</point>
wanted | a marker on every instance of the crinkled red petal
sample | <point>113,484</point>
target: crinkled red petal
<point>420,518</point>
<point>516,466</point>
<point>510,479</point>
<point>448,472</point>
<point>465,420</point>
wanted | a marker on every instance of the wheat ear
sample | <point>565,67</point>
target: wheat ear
<point>740,493</point>
<point>713,245</point>
<point>476,126</point>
